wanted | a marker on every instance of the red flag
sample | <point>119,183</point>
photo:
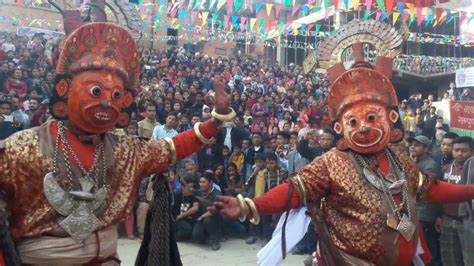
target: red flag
<point>389,4</point>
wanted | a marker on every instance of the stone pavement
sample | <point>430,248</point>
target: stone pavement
<point>232,252</point>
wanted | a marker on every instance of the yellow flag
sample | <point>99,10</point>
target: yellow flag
<point>252,23</point>
<point>395,17</point>
<point>204,17</point>
<point>269,9</point>
<point>411,8</point>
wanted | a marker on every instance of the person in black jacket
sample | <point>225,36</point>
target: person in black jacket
<point>230,133</point>
<point>326,142</point>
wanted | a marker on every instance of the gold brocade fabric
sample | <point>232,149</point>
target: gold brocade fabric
<point>354,210</point>
<point>27,156</point>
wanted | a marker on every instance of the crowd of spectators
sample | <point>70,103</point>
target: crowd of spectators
<point>281,125</point>
<point>426,65</point>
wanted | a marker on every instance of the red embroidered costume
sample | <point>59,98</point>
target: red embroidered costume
<point>367,186</point>
<point>69,182</point>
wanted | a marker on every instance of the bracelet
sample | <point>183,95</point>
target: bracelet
<point>301,189</point>
<point>255,216</point>
<point>172,150</point>
<point>244,208</point>
<point>224,118</point>
<point>200,136</point>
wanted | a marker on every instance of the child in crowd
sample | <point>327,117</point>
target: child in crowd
<point>410,121</point>
<point>237,158</point>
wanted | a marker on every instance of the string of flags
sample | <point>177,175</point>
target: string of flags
<point>177,14</point>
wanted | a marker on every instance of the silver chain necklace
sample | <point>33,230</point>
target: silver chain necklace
<point>77,206</point>
<point>396,220</point>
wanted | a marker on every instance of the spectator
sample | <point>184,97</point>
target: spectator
<point>167,130</point>
<point>453,92</point>
<point>147,125</point>
<point>260,112</point>
<point>144,198</point>
<point>185,208</point>
<point>256,185</point>
<point>427,212</point>
<point>8,123</point>
<point>207,224</point>
<point>466,95</point>
<point>429,123</point>
<point>16,85</point>
<point>453,244</point>
<point>237,158</point>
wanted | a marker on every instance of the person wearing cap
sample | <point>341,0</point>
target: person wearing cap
<point>427,212</point>
<point>368,189</point>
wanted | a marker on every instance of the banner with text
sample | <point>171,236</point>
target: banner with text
<point>465,77</point>
<point>462,117</point>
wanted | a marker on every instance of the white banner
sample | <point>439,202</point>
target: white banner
<point>465,77</point>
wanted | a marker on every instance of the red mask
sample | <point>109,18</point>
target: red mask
<point>366,127</point>
<point>95,101</point>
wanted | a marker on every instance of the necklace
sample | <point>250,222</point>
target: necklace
<point>397,220</point>
<point>77,206</point>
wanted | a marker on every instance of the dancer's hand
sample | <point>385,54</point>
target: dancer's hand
<point>227,206</point>
<point>222,99</point>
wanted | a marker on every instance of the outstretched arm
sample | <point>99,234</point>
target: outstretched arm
<point>310,185</point>
<point>443,192</point>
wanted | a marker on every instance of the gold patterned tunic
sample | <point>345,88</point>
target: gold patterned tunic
<point>26,157</point>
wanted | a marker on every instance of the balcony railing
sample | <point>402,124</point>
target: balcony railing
<point>430,65</point>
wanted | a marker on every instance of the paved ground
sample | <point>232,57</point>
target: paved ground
<point>232,252</point>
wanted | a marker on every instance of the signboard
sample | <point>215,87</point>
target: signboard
<point>462,116</point>
<point>465,77</point>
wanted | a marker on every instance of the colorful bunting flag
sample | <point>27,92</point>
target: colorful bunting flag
<point>277,10</point>
<point>269,9</point>
<point>395,16</point>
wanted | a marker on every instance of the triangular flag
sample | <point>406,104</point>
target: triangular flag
<point>295,9</point>
<point>243,23</point>
<point>377,15</point>
<point>310,2</point>
<point>269,9</point>
<point>226,21</point>
<point>287,3</point>
<point>381,5</point>
<point>305,10</point>
<point>220,4</point>
<point>368,4</point>
<point>411,8</point>
<point>401,7</point>
<point>215,17</point>
<point>258,6</point>
<point>204,17</point>
<point>182,14</point>
<point>230,6</point>
<point>336,4</point>
<point>438,14</point>
<point>252,23</point>
<point>419,16</point>
<point>389,5</point>
<point>355,3</point>
<point>395,16</point>
<point>260,24</point>
<point>237,5</point>
<point>346,4</point>
<point>294,2</point>
<point>249,5</point>
<point>277,10</point>
<point>234,22</point>
<point>316,29</point>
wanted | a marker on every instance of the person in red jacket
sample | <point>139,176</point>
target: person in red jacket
<point>366,186</point>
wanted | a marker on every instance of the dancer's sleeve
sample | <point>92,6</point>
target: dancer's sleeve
<point>310,185</point>
<point>443,192</point>
<point>157,155</point>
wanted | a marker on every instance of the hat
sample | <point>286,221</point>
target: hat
<point>98,46</point>
<point>421,139</point>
